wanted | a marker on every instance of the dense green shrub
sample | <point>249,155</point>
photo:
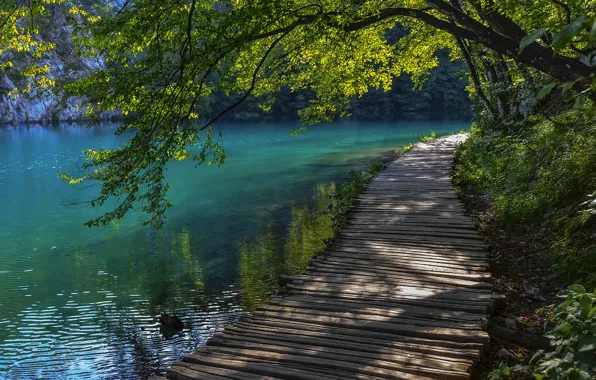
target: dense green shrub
<point>539,173</point>
<point>574,339</point>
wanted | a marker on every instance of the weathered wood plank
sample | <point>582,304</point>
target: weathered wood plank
<point>448,283</point>
<point>355,281</point>
<point>413,249</point>
<point>300,353</point>
<point>363,296</point>
<point>457,349</point>
<point>356,346</point>
<point>363,366</point>
<point>397,257</point>
<point>422,312</point>
<point>327,261</point>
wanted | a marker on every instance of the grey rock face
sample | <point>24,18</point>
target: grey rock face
<point>47,105</point>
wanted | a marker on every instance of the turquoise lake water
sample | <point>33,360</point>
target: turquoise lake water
<point>83,303</point>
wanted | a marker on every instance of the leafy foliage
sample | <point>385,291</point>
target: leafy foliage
<point>431,136</point>
<point>574,338</point>
<point>165,58</point>
<point>342,198</point>
<point>539,179</point>
<point>405,149</point>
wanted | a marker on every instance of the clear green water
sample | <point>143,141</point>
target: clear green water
<point>79,302</point>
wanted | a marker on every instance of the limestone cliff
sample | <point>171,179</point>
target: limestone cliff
<point>49,105</point>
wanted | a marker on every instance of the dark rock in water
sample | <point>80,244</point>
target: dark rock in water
<point>170,325</point>
<point>171,321</point>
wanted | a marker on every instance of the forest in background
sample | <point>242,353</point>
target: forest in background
<point>443,94</point>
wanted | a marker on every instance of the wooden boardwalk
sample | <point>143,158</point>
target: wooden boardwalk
<point>399,294</point>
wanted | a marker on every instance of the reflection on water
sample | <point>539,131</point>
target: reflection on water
<point>271,255</point>
<point>99,332</point>
<point>78,302</point>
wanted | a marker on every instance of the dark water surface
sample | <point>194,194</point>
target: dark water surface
<point>83,303</point>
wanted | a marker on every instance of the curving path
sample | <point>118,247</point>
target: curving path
<point>399,294</point>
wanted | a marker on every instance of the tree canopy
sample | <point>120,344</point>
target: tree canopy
<point>164,58</point>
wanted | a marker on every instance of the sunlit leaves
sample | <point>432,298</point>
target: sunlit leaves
<point>164,58</point>
<point>566,35</point>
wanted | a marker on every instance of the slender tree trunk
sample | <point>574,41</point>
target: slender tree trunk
<point>508,89</point>
<point>475,78</point>
<point>493,78</point>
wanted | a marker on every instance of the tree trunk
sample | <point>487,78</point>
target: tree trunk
<point>495,83</point>
<point>565,69</point>
<point>474,76</point>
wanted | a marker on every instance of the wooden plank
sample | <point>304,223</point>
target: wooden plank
<point>468,307</point>
<point>393,257</point>
<point>323,340</point>
<point>178,372</point>
<point>437,241</point>
<point>379,283</point>
<point>202,371</point>
<point>375,368</point>
<point>413,220</point>
<point>415,243</point>
<point>300,353</point>
<point>438,333</point>
<point>375,276</point>
<point>402,292</point>
<point>376,315</point>
<point>445,349</point>
<point>445,230</point>
<point>406,313</point>
<point>424,312</point>
<point>407,247</point>
<point>364,333</point>
<point>328,262</point>
<point>330,258</point>
<point>255,366</point>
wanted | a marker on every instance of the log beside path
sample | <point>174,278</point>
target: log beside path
<point>399,294</point>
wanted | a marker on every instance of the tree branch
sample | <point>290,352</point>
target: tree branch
<point>566,8</point>
<point>252,84</point>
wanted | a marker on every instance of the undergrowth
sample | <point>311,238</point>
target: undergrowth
<point>540,174</point>
<point>344,195</point>
<point>573,339</point>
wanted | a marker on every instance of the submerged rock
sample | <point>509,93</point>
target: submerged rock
<point>170,325</point>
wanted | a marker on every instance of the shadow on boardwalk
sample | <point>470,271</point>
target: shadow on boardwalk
<point>399,294</point>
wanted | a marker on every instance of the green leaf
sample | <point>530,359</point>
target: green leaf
<point>593,32</point>
<point>530,38</point>
<point>564,328</point>
<point>545,90</point>
<point>577,288</point>
<point>579,103</point>
<point>566,86</point>
<point>586,344</point>
<point>592,312</point>
<point>569,357</point>
<point>565,36</point>
<point>537,355</point>
<point>585,304</point>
